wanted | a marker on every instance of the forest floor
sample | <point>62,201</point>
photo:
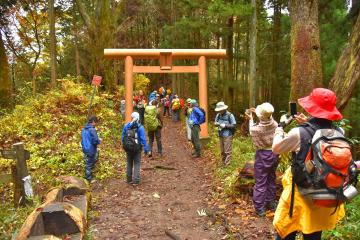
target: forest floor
<point>166,203</point>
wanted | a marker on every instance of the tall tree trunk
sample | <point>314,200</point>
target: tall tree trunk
<point>230,61</point>
<point>52,42</point>
<point>347,71</point>
<point>306,71</point>
<point>275,84</point>
<point>33,81</point>
<point>5,81</point>
<point>252,60</point>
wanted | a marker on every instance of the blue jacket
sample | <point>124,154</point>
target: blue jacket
<point>89,140</point>
<point>196,116</point>
<point>141,134</point>
<point>230,124</point>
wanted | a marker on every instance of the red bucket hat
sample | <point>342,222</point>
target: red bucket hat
<point>321,103</point>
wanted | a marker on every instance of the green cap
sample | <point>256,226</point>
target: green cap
<point>193,101</point>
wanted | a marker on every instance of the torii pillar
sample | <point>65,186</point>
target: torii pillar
<point>165,57</point>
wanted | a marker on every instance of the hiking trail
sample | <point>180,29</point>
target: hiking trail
<point>166,203</point>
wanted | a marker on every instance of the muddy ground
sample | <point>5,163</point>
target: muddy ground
<point>167,203</point>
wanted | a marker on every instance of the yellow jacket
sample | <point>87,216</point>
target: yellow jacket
<point>307,217</point>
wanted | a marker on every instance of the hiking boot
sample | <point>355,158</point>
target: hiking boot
<point>92,181</point>
<point>135,184</point>
<point>260,213</point>
<point>150,154</point>
<point>196,155</point>
<point>272,206</point>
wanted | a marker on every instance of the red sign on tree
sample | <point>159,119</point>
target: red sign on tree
<point>96,81</point>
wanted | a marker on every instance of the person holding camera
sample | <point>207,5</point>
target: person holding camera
<point>226,123</point>
<point>294,212</point>
<point>266,162</point>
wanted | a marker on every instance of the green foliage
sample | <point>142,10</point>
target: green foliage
<point>11,218</point>
<point>349,227</point>
<point>141,82</point>
<point>50,126</point>
<point>332,19</point>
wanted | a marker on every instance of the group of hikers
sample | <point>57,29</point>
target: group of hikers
<point>321,177</point>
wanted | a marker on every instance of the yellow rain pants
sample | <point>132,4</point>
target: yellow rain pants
<point>307,217</point>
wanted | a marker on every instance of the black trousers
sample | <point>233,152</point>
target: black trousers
<point>155,134</point>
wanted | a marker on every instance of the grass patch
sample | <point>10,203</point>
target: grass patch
<point>349,227</point>
<point>243,151</point>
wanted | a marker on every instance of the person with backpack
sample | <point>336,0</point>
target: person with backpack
<point>187,113</point>
<point>140,101</point>
<point>166,105</point>
<point>89,143</point>
<point>153,124</point>
<point>313,188</point>
<point>176,108</point>
<point>226,123</point>
<point>266,162</point>
<point>133,138</point>
<point>196,118</point>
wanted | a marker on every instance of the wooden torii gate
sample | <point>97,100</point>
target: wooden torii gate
<point>166,56</point>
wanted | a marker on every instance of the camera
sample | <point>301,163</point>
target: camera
<point>293,108</point>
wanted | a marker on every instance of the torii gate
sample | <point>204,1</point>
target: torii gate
<point>165,57</point>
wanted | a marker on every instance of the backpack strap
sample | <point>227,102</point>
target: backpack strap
<point>297,165</point>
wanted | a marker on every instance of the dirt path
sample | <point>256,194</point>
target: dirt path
<point>166,200</point>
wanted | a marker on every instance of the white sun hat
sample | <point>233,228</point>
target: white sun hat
<point>220,106</point>
<point>264,111</point>
<point>135,116</point>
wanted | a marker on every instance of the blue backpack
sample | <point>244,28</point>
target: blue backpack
<point>203,116</point>
<point>85,141</point>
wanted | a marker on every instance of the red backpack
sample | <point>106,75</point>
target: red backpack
<point>182,103</point>
<point>328,169</point>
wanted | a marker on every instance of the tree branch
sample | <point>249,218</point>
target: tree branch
<point>83,13</point>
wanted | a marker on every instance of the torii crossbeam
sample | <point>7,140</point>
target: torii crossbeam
<point>166,56</point>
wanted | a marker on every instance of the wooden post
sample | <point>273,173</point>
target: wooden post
<point>203,95</point>
<point>128,88</point>
<point>21,172</point>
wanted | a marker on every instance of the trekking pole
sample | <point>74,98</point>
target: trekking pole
<point>96,81</point>
<point>91,101</point>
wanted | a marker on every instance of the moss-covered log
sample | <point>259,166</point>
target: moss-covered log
<point>306,72</point>
<point>347,71</point>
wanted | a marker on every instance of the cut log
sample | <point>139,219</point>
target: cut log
<point>62,214</point>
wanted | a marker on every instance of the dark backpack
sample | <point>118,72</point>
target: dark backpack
<point>131,143</point>
<point>202,118</point>
<point>232,130</point>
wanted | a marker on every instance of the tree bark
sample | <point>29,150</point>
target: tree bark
<point>230,61</point>
<point>306,71</point>
<point>5,81</point>
<point>52,42</point>
<point>275,84</point>
<point>252,60</point>
<point>347,71</point>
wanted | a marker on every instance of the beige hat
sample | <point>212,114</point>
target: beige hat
<point>220,106</point>
<point>264,111</point>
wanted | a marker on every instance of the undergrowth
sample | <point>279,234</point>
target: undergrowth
<point>50,127</point>
<point>244,151</point>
